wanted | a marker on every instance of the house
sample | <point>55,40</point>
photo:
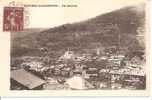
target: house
<point>34,65</point>
<point>78,83</point>
<point>136,60</point>
<point>26,80</point>
<point>68,55</point>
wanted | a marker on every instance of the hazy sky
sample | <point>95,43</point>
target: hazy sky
<point>54,16</point>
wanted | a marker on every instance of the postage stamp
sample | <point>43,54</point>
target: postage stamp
<point>13,19</point>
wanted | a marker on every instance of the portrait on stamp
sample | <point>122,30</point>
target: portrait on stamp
<point>13,19</point>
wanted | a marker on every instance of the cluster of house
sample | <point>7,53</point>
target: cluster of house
<point>117,69</point>
<point>70,65</point>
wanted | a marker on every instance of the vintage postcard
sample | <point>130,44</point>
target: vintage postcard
<point>74,48</point>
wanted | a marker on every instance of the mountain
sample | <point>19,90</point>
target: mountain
<point>117,28</point>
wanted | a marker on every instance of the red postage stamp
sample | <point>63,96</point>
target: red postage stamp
<point>13,19</point>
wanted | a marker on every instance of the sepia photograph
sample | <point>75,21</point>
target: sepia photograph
<point>104,52</point>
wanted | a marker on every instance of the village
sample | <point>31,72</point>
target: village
<point>80,71</point>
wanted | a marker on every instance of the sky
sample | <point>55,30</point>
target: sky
<point>50,17</point>
<point>47,17</point>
